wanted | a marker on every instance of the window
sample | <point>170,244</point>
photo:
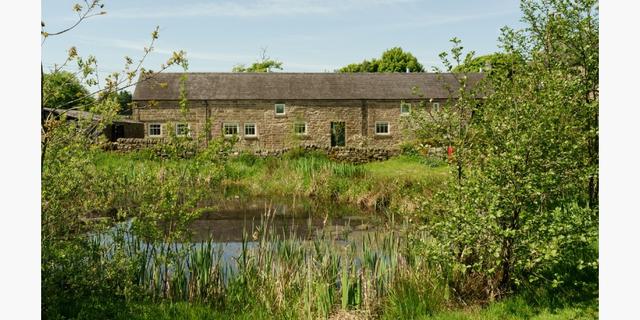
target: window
<point>182,129</point>
<point>436,106</point>
<point>405,108</point>
<point>155,129</point>
<point>279,109</point>
<point>250,129</point>
<point>382,127</point>
<point>230,129</point>
<point>300,128</point>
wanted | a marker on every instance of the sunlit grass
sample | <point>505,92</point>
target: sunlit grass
<point>406,168</point>
<point>397,183</point>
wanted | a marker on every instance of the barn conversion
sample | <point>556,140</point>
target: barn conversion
<point>269,111</point>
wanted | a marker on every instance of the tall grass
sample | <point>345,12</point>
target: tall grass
<point>284,277</point>
<point>396,184</point>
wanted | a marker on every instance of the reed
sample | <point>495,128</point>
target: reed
<point>287,276</point>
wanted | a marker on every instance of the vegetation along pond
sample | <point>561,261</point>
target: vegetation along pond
<point>243,237</point>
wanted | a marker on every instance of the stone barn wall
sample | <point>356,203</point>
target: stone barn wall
<point>276,132</point>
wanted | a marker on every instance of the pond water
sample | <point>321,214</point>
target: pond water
<point>241,224</point>
<point>299,218</point>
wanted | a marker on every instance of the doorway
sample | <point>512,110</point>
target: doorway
<point>117,131</point>
<point>337,134</point>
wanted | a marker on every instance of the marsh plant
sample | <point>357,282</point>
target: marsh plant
<point>277,276</point>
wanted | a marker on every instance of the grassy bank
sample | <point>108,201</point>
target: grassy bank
<point>514,308</point>
<point>396,184</point>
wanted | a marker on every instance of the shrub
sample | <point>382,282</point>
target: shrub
<point>247,158</point>
<point>301,152</point>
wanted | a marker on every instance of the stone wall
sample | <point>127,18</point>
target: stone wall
<point>134,144</point>
<point>342,154</point>
<point>276,132</point>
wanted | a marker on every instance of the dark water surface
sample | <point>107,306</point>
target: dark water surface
<point>287,218</point>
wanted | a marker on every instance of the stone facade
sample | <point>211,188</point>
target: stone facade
<point>275,131</point>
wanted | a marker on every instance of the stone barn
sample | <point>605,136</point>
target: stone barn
<point>273,111</point>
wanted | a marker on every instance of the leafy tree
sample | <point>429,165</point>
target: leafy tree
<point>486,63</point>
<point>124,100</point>
<point>450,126</point>
<point>264,64</point>
<point>77,280</point>
<point>392,60</point>
<point>364,66</point>
<point>396,60</point>
<point>525,214</point>
<point>63,90</point>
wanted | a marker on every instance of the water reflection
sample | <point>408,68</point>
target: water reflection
<point>299,218</point>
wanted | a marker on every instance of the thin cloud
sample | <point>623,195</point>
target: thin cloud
<point>246,9</point>
<point>191,54</point>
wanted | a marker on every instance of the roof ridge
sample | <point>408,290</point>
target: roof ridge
<point>313,73</point>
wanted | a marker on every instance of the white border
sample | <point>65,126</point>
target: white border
<point>375,128</point>
<point>255,130</point>
<point>306,127</point>
<point>149,130</point>
<point>284,109</point>
<point>229,124</point>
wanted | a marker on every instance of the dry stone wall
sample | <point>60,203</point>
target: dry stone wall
<point>342,154</point>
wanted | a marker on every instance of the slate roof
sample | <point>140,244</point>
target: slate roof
<point>297,86</point>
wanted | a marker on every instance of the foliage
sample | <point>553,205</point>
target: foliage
<point>451,125</point>
<point>421,153</point>
<point>124,100</point>
<point>520,215</point>
<point>392,60</point>
<point>79,199</point>
<point>264,64</point>
<point>81,278</point>
<point>487,63</point>
<point>63,90</point>
<point>524,215</point>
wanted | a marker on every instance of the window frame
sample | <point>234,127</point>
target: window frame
<point>224,127</point>
<point>187,134</point>
<point>284,109</point>
<point>255,129</point>
<point>149,129</point>
<point>295,128</point>
<point>382,133</point>
<point>405,104</point>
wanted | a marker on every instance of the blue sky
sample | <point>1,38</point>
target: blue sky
<point>306,35</point>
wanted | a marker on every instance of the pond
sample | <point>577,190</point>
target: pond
<point>243,221</point>
<point>269,239</point>
<point>299,218</point>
